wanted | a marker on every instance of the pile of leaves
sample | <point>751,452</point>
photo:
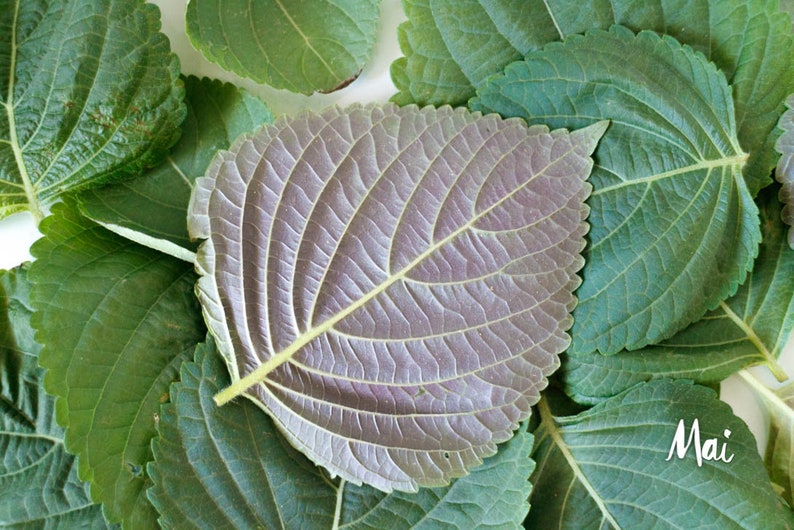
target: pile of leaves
<point>492,302</point>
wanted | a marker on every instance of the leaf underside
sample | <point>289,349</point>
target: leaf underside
<point>674,228</point>
<point>451,47</point>
<point>91,93</point>
<point>116,321</point>
<point>296,45</point>
<point>785,167</point>
<point>751,327</point>
<point>607,467</point>
<point>155,204</point>
<point>393,285</point>
<point>38,478</point>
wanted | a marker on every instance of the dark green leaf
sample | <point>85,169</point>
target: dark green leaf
<point>785,167</point>
<point>494,496</point>
<point>116,321</point>
<point>155,204</point>
<point>751,327</point>
<point>38,478</point>
<point>228,467</point>
<point>90,94</point>
<point>301,45</point>
<point>452,46</point>
<point>674,228</point>
<point>614,466</point>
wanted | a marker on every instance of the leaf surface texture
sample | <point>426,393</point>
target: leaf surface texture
<point>90,93</point>
<point>393,285</point>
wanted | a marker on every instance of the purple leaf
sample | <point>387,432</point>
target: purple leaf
<point>394,285</point>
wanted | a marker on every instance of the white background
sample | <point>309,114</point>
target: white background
<point>18,231</point>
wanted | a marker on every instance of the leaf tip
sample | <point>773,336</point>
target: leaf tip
<point>588,137</point>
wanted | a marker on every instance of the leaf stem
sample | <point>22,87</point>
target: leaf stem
<point>547,420</point>
<point>30,189</point>
<point>771,361</point>
<point>340,493</point>
<point>767,395</point>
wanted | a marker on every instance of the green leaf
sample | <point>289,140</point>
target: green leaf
<point>154,205</point>
<point>116,321</point>
<point>751,327</point>
<point>418,287</point>
<point>613,466</point>
<point>674,228</point>
<point>452,46</point>
<point>38,478</point>
<point>228,467</point>
<point>494,495</point>
<point>91,93</point>
<point>785,167</point>
<point>301,45</point>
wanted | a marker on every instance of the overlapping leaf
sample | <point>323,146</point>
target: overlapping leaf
<point>204,453</point>
<point>116,320</point>
<point>155,205</point>
<point>674,228</point>
<point>38,478</point>
<point>452,46</point>
<point>785,167</point>
<point>90,93</point>
<point>303,46</point>
<point>228,467</point>
<point>393,285</point>
<point>612,467</point>
<point>751,327</point>
<point>494,495</point>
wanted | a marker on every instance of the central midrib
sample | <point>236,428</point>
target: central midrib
<point>728,161</point>
<point>30,190</point>
<point>259,374</point>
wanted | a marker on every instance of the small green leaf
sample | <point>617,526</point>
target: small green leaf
<point>155,204</point>
<point>38,478</point>
<point>785,167</point>
<point>90,93</point>
<point>300,45</point>
<point>451,47</point>
<point>751,327</point>
<point>116,321</point>
<point>674,227</point>
<point>615,465</point>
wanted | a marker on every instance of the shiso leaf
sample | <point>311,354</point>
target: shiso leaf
<point>393,285</point>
